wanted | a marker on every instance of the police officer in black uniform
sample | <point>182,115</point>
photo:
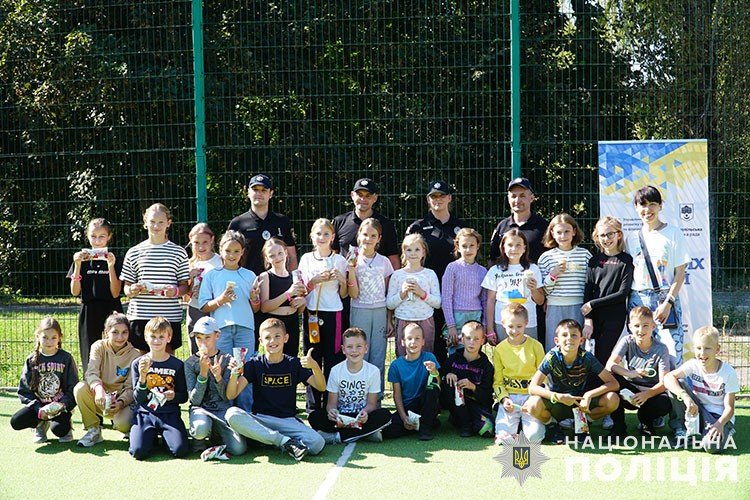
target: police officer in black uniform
<point>438,228</point>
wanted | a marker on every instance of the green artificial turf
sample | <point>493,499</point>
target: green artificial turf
<point>447,467</point>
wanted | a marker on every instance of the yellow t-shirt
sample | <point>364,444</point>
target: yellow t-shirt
<point>515,365</point>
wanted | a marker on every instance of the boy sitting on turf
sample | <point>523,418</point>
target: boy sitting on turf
<point>646,362</point>
<point>707,386</point>
<point>159,389</point>
<point>416,387</point>
<point>353,387</point>
<point>274,377</point>
<point>516,359</point>
<point>467,391</point>
<point>206,376</point>
<point>569,365</point>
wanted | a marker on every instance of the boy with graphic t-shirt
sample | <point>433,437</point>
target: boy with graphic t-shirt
<point>274,377</point>
<point>467,384</point>
<point>707,387</point>
<point>353,387</point>
<point>159,388</point>
<point>569,367</point>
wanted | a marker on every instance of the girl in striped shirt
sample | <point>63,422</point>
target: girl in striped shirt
<point>155,273</point>
<point>563,273</point>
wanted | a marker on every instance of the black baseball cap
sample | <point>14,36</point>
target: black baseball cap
<point>441,187</point>
<point>366,184</point>
<point>520,181</point>
<point>261,180</point>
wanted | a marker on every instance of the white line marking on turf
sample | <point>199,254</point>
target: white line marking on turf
<point>334,473</point>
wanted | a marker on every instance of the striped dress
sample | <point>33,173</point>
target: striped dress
<point>164,264</point>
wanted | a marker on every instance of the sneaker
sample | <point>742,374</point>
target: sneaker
<point>330,437</point>
<point>67,438</point>
<point>566,424</point>
<point>555,434</point>
<point>40,433</point>
<point>678,439</point>
<point>425,435</point>
<point>607,423</point>
<point>487,428</point>
<point>295,448</point>
<point>617,431</point>
<point>466,432</point>
<point>92,437</point>
<point>375,437</point>
<point>660,422</point>
<point>645,429</point>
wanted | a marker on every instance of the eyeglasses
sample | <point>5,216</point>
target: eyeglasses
<point>611,234</point>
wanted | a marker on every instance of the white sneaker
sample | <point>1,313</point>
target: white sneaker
<point>67,438</point>
<point>375,437</point>
<point>566,424</point>
<point>40,433</point>
<point>330,437</point>
<point>92,437</point>
<point>607,423</point>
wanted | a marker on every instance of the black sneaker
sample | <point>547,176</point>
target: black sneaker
<point>554,434</point>
<point>425,435</point>
<point>646,429</point>
<point>295,448</point>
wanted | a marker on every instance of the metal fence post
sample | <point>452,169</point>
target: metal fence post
<point>515,88</point>
<point>199,97</point>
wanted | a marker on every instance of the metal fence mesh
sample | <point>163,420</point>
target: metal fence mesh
<point>97,120</point>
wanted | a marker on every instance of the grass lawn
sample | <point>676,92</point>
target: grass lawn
<point>446,467</point>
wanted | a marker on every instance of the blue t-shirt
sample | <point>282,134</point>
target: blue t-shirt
<point>412,375</point>
<point>569,379</point>
<point>275,385</point>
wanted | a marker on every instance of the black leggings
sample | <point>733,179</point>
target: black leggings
<point>26,418</point>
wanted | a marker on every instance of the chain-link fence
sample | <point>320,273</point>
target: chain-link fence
<point>97,119</point>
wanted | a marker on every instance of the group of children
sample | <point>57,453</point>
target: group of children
<point>132,377</point>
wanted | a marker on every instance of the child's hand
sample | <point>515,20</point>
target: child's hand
<point>205,364</point>
<point>715,431</point>
<point>99,396</point>
<point>491,338</point>
<point>362,417</point>
<point>640,398</point>
<point>143,366</point>
<point>465,383</point>
<point>79,257</point>
<point>335,274</point>
<point>567,399</point>
<point>297,302</point>
<point>333,415</point>
<point>584,402</point>
<point>588,329</point>
<point>136,289</point>
<point>255,291</point>
<point>195,272</point>
<point>508,405</point>
<point>390,330</point>
<point>430,365</point>
<point>297,289</point>
<point>418,290</point>
<point>531,284</point>
<point>307,361</point>
<point>662,312</point>
<point>451,379</point>
<point>408,425</point>
<point>169,395</point>
<point>406,287</point>
<point>235,366</point>
<point>586,308</point>
<point>216,367</point>
<point>111,259</point>
<point>226,297</point>
<point>452,336</point>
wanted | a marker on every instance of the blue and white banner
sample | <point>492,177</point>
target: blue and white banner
<point>679,168</point>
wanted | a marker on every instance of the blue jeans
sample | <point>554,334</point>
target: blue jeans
<point>673,339</point>
<point>239,336</point>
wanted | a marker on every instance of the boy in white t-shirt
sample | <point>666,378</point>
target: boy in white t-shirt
<point>707,387</point>
<point>353,387</point>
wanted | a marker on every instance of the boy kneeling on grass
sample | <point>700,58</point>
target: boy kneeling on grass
<point>275,376</point>
<point>352,411</point>
<point>416,388</point>
<point>159,389</point>
<point>569,365</point>
<point>706,387</point>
